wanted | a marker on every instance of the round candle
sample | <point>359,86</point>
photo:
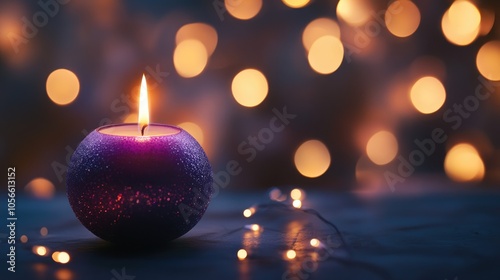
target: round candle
<point>132,185</point>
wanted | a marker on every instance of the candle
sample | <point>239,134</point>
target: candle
<point>139,183</point>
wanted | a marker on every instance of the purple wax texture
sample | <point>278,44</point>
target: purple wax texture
<point>128,189</point>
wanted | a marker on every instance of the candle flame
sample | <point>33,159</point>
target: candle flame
<point>143,120</point>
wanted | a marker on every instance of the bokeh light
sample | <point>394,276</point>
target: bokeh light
<point>276,195</point>
<point>427,95</point>
<point>315,242</point>
<point>40,188</point>
<point>247,213</point>
<point>23,238</point>
<point>297,204</point>
<point>404,23</point>
<point>40,250</point>
<point>488,60</point>
<point>291,254</point>
<point>202,32</point>
<point>487,21</point>
<point>193,129</point>
<point>297,194</point>
<point>461,23</point>
<point>44,231</point>
<point>255,227</point>
<point>296,3</point>
<point>61,257</point>
<point>243,9</point>
<point>464,164</point>
<point>318,28</point>
<point>242,254</point>
<point>249,87</point>
<point>62,86</point>
<point>354,12</point>
<point>312,158</point>
<point>382,147</point>
<point>190,58</point>
<point>326,54</point>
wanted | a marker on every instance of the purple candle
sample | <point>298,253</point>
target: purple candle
<point>139,183</point>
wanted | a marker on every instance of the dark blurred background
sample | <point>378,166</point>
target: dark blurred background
<point>363,83</point>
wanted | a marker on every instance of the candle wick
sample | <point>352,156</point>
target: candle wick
<point>143,128</point>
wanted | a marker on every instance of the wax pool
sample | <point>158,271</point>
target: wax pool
<point>125,187</point>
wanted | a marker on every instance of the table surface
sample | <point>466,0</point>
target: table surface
<point>426,235</point>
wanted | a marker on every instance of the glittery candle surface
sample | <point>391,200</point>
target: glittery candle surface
<point>139,189</point>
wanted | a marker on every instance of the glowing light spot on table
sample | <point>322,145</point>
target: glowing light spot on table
<point>297,204</point>
<point>64,274</point>
<point>404,23</point>
<point>193,129</point>
<point>427,95</point>
<point>488,60</point>
<point>190,58</point>
<point>464,164</point>
<point>202,32</point>
<point>326,55</point>
<point>40,188</point>
<point>62,86</point>
<point>243,9</point>
<point>318,28</point>
<point>291,254</point>
<point>297,194</point>
<point>23,238</point>
<point>315,242</point>
<point>242,254</point>
<point>461,23</point>
<point>312,158</point>
<point>296,3</point>
<point>354,12</point>
<point>249,87</point>
<point>44,231</point>
<point>382,147</point>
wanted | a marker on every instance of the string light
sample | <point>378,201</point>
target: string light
<point>291,254</point>
<point>61,257</point>
<point>297,203</point>
<point>315,242</point>
<point>242,254</point>
<point>247,213</point>
<point>253,227</point>
<point>40,250</point>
